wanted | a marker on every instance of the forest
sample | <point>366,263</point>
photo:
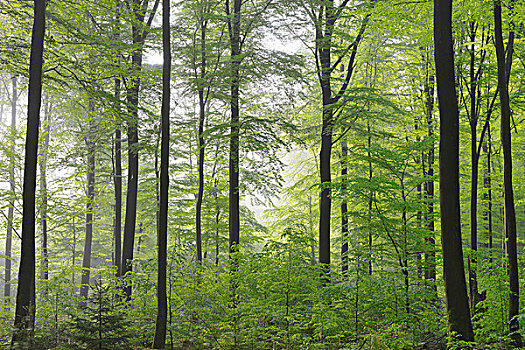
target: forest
<point>262,174</point>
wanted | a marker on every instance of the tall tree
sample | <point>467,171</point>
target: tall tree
<point>476,68</point>
<point>117,179</point>
<point>90,178</point>
<point>11,210</point>
<point>140,29</point>
<point>455,286</point>
<point>204,88</point>
<point>46,128</point>
<point>325,18</point>
<point>162,308</point>
<point>25,299</point>
<point>234,30</point>
<point>504,65</point>
<point>430,257</point>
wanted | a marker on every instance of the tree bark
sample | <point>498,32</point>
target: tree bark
<point>201,144</point>
<point>509,209</point>
<point>43,187</point>
<point>90,177</point>
<point>12,188</point>
<point>328,14</point>
<point>324,52</point>
<point>139,35</point>
<point>430,256</point>
<point>453,271</point>
<point>162,305</point>
<point>370,197</point>
<point>344,210</point>
<point>487,184</point>
<point>117,179</point>
<point>233,203</point>
<point>25,298</point>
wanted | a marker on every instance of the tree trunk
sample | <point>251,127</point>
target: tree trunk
<point>117,179</point>
<point>430,257</point>
<point>139,34</point>
<point>370,198</point>
<point>311,227</point>
<point>25,298</point>
<point>12,188</point>
<point>43,187</point>
<point>474,161</point>
<point>487,184</point>
<point>344,210</point>
<point>324,30</point>
<point>217,222</point>
<point>509,211</point>
<point>233,205</point>
<point>325,154</point>
<point>201,144</point>
<point>162,304</point>
<point>90,177</point>
<point>453,272</point>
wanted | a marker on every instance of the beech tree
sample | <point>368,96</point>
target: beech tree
<point>453,272</point>
<point>324,17</point>
<point>250,105</point>
<point>162,307</point>
<point>504,64</point>
<point>140,28</point>
<point>11,210</point>
<point>25,298</point>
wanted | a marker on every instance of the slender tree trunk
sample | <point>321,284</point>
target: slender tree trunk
<point>405,250</point>
<point>43,187</point>
<point>474,157</point>
<point>90,177</point>
<point>201,144</point>
<point>453,271</point>
<point>487,183</point>
<point>133,168</point>
<point>328,14</point>
<point>472,264</point>
<point>370,199</point>
<point>311,224</point>
<point>344,210</point>
<point>162,304</point>
<point>25,298</point>
<point>74,251</point>
<point>117,179</point>
<point>217,222</point>
<point>509,211</point>
<point>234,30</point>
<point>139,34</point>
<point>117,230</point>
<point>12,188</point>
<point>419,219</point>
<point>325,154</point>
<point>430,256</point>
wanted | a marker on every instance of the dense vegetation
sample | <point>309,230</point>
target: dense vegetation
<point>263,174</point>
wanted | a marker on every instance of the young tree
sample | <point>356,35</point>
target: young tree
<point>504,65</point>
<point>46,128</point>
<point>11,210</point>
<point>25,298</point>
<point>162,312</point>
<point>453,272</point>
